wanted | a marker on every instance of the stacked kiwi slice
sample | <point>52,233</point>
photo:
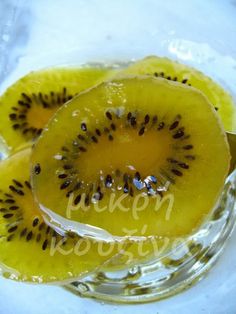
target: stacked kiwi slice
<point>111,152</point>
<point>30,249</point>
<point>28,104</point>
<point>129,140</point>
<point>177,72</point>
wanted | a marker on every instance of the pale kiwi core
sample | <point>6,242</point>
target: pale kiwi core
<point>122,152</point>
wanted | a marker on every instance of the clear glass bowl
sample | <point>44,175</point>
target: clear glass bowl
<point>174,271</point>
<point>200,33</point>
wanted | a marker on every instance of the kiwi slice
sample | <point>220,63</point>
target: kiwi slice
<point>175,71</point>
<point>28,104</point>
<point>126,150</point>
<point>30,249</point>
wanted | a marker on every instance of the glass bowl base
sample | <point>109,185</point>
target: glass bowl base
<point>167,275</point>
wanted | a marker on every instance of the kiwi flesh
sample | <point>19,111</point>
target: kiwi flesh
<point>175,71</point>
<point>31,250</point>
<point>139,139</point>
<point>28,104</point>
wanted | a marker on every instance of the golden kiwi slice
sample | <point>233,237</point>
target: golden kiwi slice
<point>137,156</point>
<point>28,104</point>
<point>32,251</point>
<point>175,71</point>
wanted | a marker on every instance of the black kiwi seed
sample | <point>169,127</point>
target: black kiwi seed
<point>9,201</point>
<point>16,126</point>
<point>29,236</point>
<point>108,181</point>
<point>82,149</point>
<point>83,127</point>
<point>42,226</point>
<point>146,119</point>
<point>13,189</point>
<point>28,184</point>
<point>100,195</point>
<point>38,238</point>
<point>174,125</point>
<point>98,132</point>
<point>77,199</point>
<point>35,222</point>
<point>81,137</point>
<point>86,200</point>
<point>110,137</point>
<point>177,172</point>
<point>161,126</point>
<point>178,134</point>
<point>62,176</point>
<point>113,127</point>
<point>10,237</point>
<point>109,115</point>
<point>48,230</point>
<point>27,98</point>
<point>129,115</point>
<point>45,244</point>
<point>12,116</point>
<point>141,131</point>
<point>23,232</point>
<point>37,169</point>
<point>185,137</point>
<point>183,165</point>
<point>12,229</point>
<point>94,139</point>
<point>131,191</point>
<point>67,167</point>
<point>133,121</point>
<point>184,81</point>
<point>126,187</point>
<point>154,119</point>
<point>65,184</point>
<point>65,149</point>
<point>188,147</point>
<point>17,183</point>
<point>22,116</point>
<point>7,216</point>
<point>14,207</point>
